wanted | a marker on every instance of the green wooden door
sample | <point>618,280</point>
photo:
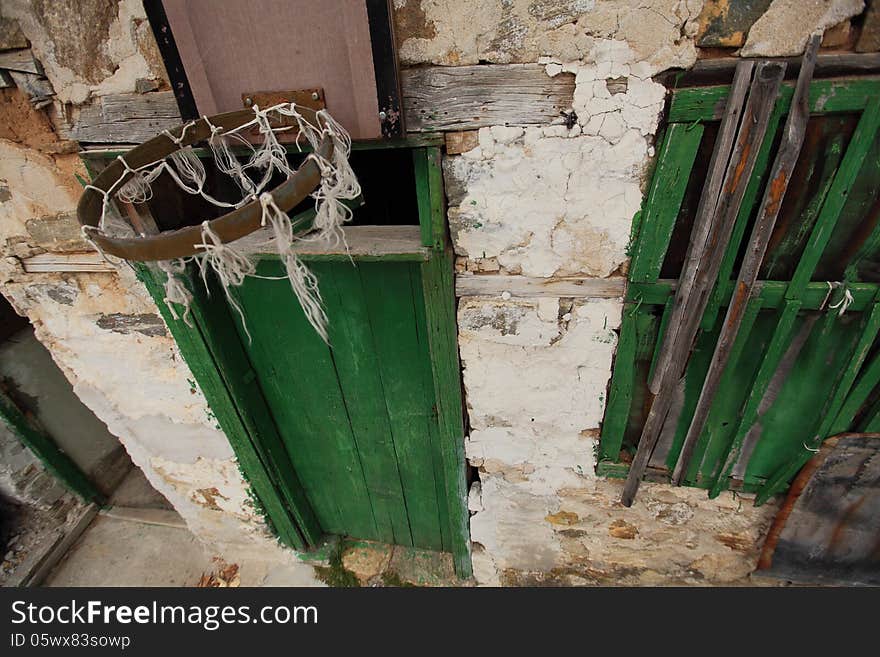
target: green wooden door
<point>358,417</point>
<point>800,369</point>
<point>365,436</point>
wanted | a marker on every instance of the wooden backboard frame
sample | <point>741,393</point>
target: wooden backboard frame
<point>189,84</point>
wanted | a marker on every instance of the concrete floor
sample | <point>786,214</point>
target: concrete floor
<point>117,549</point>
<point>120,549</point>
<point>117,552</point>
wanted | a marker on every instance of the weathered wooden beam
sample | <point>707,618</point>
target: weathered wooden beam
<point>708,70</point>
<point>468,97</point>
<point>492,285</point>
<point>49,262</point>
<point>704,216</point>
<point>745,288</point>
<point>364,243</point>
<point>125,118</point>
<point>436,98</point>
<point>20,60</point>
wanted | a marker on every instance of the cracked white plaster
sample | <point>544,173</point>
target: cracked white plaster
<point>556,201</point>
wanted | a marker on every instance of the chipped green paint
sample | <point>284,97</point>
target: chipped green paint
<point>773,397</point>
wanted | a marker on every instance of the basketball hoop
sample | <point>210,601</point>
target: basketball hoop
<point>219,243</point>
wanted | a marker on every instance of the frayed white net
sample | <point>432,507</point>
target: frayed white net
<point>232,262</point>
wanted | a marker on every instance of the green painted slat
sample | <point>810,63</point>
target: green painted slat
<point>402,356</point>
<point>438,198</point>
<point>772,294</point>
<point>257,465</point>
<point>439,295</point>
<point>710,448</point>
<point>660,210</point>
<point>750,198</point>
<point>775,351</point>
<point>620,393</point>
<point>296,372</point>
<point>661,333</point>
<point>421,315</point>
<point>781,477</point>
<point>867,381</point>
<point>871,423</point>
<point>423,194</point>
<point>862,140</point>
<point>57,462</point>
<point>826,96</point>
<point>357,365</point>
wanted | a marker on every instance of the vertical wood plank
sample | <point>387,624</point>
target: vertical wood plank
<point>402,359</point>
<point>438,289</point>
<point>661,207</point>
<point>620,392</point>
<point>357,364</point>
<point>302,388</point>
<point>745,288</point>
<point>423,194</point>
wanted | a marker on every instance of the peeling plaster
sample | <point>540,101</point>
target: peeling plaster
<point>549,201</point>
<point>554,201</point>
<point>457,32</point>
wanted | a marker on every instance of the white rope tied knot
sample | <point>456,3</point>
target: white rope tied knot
<point>844,303</point>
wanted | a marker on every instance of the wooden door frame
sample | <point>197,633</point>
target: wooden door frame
<point>213,350</point>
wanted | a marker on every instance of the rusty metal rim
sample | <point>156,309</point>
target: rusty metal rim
<point>182,242</point>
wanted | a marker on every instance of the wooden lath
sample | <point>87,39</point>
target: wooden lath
<point>730,170</point>
<point>745,288</point>
<point>734,452</point>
